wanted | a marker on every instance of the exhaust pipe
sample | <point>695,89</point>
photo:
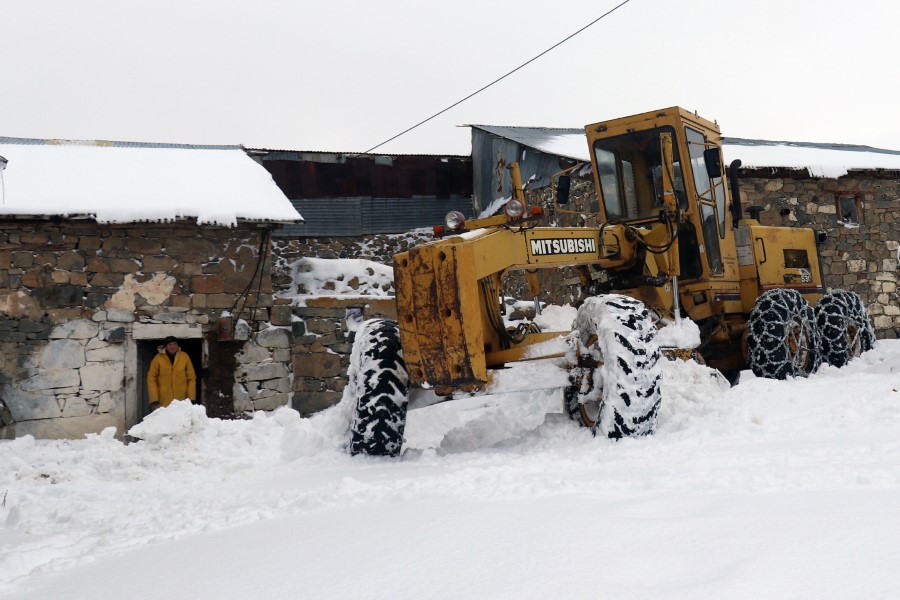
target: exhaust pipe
<point>737,212</point>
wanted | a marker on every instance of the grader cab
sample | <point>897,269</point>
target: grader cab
<point>672,243</point>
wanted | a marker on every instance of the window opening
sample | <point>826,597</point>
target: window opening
<point>849,210</point>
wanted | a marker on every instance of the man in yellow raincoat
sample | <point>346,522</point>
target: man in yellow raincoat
<point>171,376</point>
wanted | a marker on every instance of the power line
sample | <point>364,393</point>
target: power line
<point>499,79</point>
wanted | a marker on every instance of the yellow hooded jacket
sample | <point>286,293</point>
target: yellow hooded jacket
<point>168,380</point>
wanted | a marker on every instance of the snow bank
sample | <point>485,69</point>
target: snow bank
<point>179,419</point>
<point>357,278</point>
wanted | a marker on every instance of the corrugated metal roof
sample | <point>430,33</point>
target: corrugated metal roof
<point>568,142</point>
<point>360,216</point>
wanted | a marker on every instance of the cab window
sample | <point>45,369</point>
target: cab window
<point>629,168</point>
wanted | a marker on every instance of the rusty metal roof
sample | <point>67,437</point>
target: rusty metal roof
<point>318,155</point>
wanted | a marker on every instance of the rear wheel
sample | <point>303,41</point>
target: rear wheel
<point>379,382</point>
<point>845,331</point>
<point>621,396</point>
<point>782,336</point>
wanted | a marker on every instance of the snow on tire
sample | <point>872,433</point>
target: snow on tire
<point>620,334</point>
<point>580,401</point>
<point>782,336</point>
<point>845,330</point>
<point>380,384</point>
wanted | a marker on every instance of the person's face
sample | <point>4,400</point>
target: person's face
<point>172,347</point>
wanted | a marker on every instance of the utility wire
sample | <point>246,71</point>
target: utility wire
<point>499,79</point>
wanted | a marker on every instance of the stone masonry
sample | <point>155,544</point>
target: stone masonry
<point>79,301</point>
<point>324,332</point>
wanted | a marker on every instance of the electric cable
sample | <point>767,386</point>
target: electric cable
<point>498,80</point>
<point>261,264</point>
<point>245,293</point>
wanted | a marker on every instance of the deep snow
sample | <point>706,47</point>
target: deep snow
<point>771,489</point>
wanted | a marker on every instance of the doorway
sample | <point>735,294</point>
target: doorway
<point>147,349</point>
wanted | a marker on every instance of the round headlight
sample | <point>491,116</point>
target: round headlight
<point>514,209</point>
<point>454,220</point>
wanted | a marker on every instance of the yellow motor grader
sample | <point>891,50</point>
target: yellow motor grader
<point>672,243</point>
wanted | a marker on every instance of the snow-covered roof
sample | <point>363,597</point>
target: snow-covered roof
<point>127,182</point>
<point>566,142</point>
<point>821,160</point>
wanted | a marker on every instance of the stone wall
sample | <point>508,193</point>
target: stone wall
<point>82,306</point>
<point>72,373</point>
<point>323,327</point>
<point>324,332</point>
<point>375,247</point>
<point>262,377</point>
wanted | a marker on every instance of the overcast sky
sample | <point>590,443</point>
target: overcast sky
<point>344,76</point>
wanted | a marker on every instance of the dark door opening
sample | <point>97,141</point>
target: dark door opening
<point>147,349</point>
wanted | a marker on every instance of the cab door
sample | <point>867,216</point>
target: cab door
<point>711,200</point>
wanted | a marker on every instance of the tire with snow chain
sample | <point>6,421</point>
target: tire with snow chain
<point>620,397</point>
<point>782,338</point>
<point>845,330</point>
<point>860,315</point>
<point>379,382</point>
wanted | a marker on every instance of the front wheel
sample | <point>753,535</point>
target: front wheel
<point>782,336</point>
<point>620,397</point>
<point>379,382</point>
<point>580,402</point>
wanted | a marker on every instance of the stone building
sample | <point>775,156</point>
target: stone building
<point>105,249</point>
<point>849,193</point>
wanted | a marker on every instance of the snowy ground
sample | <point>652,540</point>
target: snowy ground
<point>771,489</point>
